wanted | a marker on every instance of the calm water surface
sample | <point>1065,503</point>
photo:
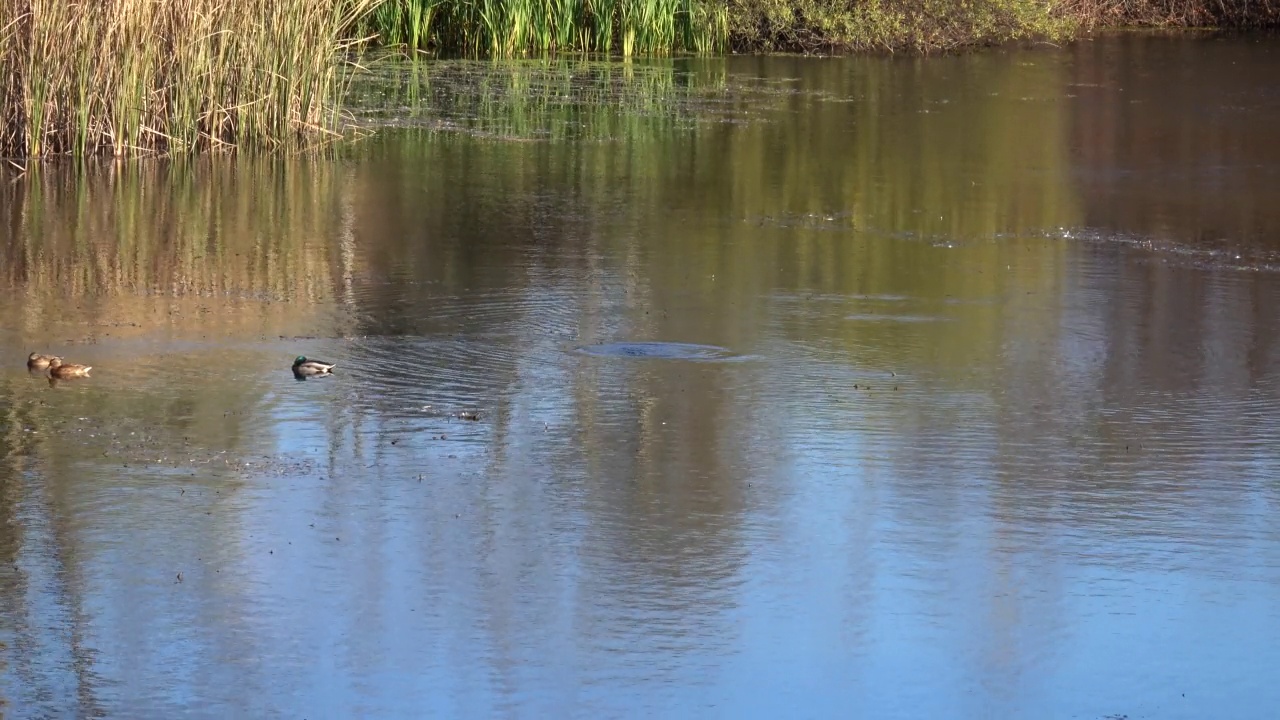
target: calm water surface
<point>882,388</point>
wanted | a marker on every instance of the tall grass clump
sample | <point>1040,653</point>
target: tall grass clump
<point>126,77</point>
<point>504,28</point>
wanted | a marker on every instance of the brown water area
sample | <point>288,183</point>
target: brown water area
<point>741,387</point>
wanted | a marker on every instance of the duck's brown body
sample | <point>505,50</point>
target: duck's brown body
<point>62,370</point>
<point>36,361</point>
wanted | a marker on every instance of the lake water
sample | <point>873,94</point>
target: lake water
<point>806,388</point>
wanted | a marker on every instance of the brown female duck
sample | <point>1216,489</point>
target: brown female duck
<point>36,361</point>
<point>62,370</point>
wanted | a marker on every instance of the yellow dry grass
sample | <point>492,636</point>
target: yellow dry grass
<point>128,77</point>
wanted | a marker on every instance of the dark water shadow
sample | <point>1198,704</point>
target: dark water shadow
<point>660,351</point>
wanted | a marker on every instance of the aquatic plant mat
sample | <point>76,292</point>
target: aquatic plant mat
<point>567,97</point>
<point>130,77</point>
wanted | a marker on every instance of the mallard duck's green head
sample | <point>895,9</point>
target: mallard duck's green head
<point>299,360</point>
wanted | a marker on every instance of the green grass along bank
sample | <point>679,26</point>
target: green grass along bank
<point>500,28</point>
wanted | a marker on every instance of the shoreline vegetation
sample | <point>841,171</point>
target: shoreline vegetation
<point>507,28</point>
<point>138,77</point>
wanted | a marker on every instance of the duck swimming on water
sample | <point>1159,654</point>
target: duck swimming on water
<point>302,367</point>
<point>62,370</point>
<point>36,361</point>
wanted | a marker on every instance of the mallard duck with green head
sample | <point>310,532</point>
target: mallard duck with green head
<point>302,367</point>
<point>62,370</point>
<point>36,361</point>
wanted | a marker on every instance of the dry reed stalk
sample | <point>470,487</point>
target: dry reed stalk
<point>170,76</point>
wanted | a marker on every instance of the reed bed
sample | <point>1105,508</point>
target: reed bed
<point>130,77</point>
<point>506,28</point>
